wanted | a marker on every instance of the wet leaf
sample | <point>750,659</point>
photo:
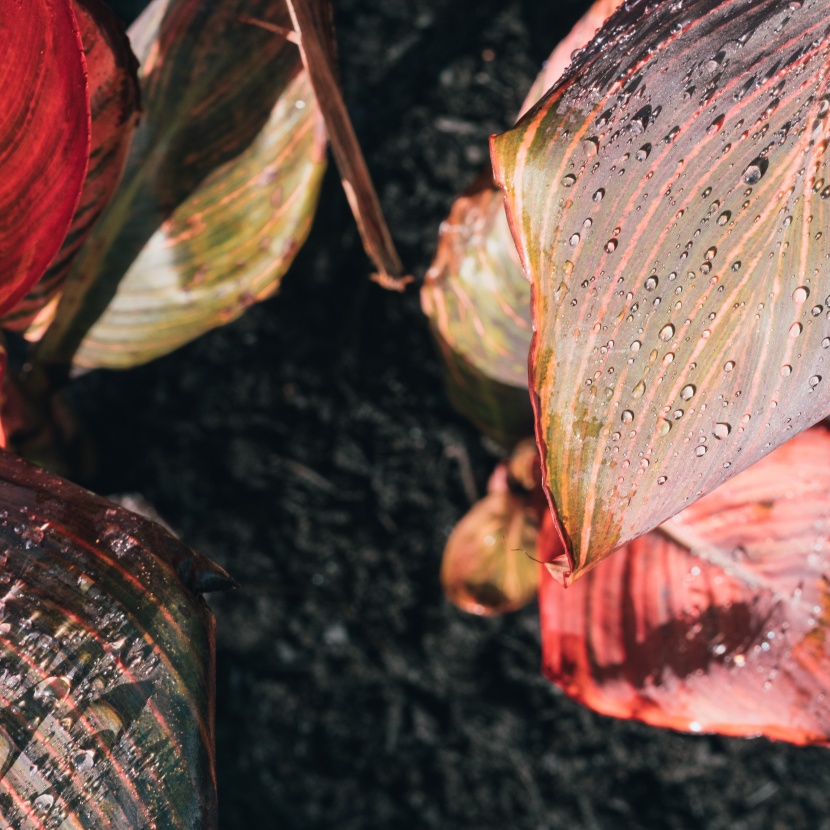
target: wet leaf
<point>669,200</point>
<point>475,294</point>
<point>106,664</point>
<point>44,139</point>
<point>718,620</point>
<point>489,564</point>
<point>218,193</point>
<point>114,104</point>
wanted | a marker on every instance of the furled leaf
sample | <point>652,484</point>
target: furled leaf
<point>478,304</point>
<point>718,620</point>
<point>106,664</point>
<point>44,138</point>
<point>218,192</point>
<point>669,199</point>
<point>114,104</point>
<point>489,563</point>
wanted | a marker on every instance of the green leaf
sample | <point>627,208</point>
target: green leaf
<point>669,199</point>
<point>478,304</point>
<point>44,138</point>
<point>218,193</point>
<point>106,663</point>
<point>114,105</point>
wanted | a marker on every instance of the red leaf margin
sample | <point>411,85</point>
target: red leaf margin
<point>45,134</point>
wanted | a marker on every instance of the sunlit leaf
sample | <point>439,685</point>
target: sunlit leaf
<point>718,620</point>
<point>106,664</point>
<point>478,304</point>
<point>489,564</point>
<point>218,193</point>
<point>114,104</point>
<point>669,200</point>
<point>44,138</point>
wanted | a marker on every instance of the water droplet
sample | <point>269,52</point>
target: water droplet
<point>786,370</point>
<point>729,366</point>
<point>635,346</point>
<point>663,427</point>
<point>639,390</point>
<point>651,283</point>
<point>724,217</point>
<point>801,293</point>
<point>755,171</point>
<point>677,414</point>
<point>627,416</point>
<point>662,480</point>
<point>44,802</point>
<point>688,392</point>
<point>816,310</point>
<point>568,181</point>
<point>825,344</point>
<point>667,332</point>
<point>598,195</point>
<point>574,240</point>
<point>710,254</point>
<point>722,430</point>
<point>611,246</point>
<point>814,381</point>
<point>796,329</point>
<point>736,265</point>
<point>643,152</point>
<point>700,450</point>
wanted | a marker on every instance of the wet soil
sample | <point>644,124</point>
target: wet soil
<point>309,449</point>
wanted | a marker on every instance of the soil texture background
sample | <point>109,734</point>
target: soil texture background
<point>309,449</point>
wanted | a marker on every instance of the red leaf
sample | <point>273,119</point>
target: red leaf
<point>114,102</point>
<point>44,138</point>
<point>717,621</point>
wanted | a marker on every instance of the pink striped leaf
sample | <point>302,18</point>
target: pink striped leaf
<point>670,201</point>
<point>44,138</point>
<point>717,621</point>
<point>106,664</point>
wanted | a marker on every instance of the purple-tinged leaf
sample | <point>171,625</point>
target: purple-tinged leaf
<point>106,664</point>
<point>718,620</point>
<point>669,199</point>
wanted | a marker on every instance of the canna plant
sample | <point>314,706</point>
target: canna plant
<point>154,187</point>
<point>667,199</point>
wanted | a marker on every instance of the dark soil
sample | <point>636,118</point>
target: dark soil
<point>309,449</point>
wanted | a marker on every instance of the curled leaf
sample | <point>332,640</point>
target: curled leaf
<point>114,105</point>
<point>718,620</point>
<point>489,564</point>
<point>106,664</point>
<point>44,138</point>
<point>669,200</point>
<point>218,192</point>
<point>477,301</point>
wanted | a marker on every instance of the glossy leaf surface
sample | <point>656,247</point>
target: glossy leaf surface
<point>114,104</point>
<point>717,621</point>
<point>218,192</point>
<point>106,664</point>
<point>44,138</point>
<point>489,564</point>
<point>669,200</point>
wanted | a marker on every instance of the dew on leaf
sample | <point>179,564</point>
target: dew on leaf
<point>667,332</point>
<point>700,450</point>
<point>627,416</point>
<point>688,392</point>
<point>755,171</point>
<point>722,430</point>
<point>568,181</point>
<point>786,370</point>
<point>801,293</point>
<point>729,366</point>
<point>796,329</point>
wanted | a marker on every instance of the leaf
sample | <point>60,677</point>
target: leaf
<point>44,139</point>
<point>718,620</point>
<point>218,192</point>
<point>114,103</point>
<point>106,663</point>
<point>489,565</point>
<point>477,301</point>
<point>562,56</point>
<point>669,201</point>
